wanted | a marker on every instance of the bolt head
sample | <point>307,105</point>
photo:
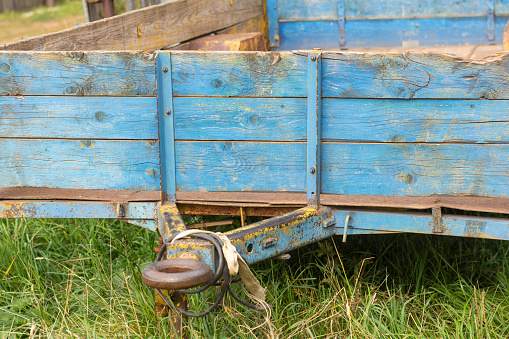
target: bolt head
<point>165,69</point>
<point>312,170</point>
<point>168,111</point>
<point>313,57</point>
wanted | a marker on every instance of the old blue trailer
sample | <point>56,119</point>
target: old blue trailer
<point>324,140</point>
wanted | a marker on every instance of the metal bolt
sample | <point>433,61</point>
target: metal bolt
<point>313,57</point>
<point>165,69</point>
<point>312,170</point>
<point>168,111</point>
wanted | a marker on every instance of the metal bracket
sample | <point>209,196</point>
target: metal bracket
<point>273,22</point>
<point>341,24</point>
<point>166,126</point>
<point>491,19</point>
<point>438,226</point>
<point>314,112</point>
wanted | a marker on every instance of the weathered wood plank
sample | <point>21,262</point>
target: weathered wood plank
<point>79,164</point>
<point>239,74</point>
<point>372,120</point>
<point>388,33</point>
<point>349,169</point>
<point>230,42</point>
<point>147,29</point>
<point>459,121</point>
<point>257,24</point>
<point>385,9</point>
<point>415,76</point>
<point>77,73</point>
<point>345,75</point>
<point>78,117</point>
<point>241,118</point>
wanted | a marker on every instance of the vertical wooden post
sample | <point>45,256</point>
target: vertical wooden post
<point>85,10</point>
<point>8,5</point>
<point>130,5</point>
<point>108,8</point>
<point>50,3</point>
<point>143,3</point>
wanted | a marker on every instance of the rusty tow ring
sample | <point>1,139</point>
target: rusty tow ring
<point>182,274</point>
<point>176,274</point>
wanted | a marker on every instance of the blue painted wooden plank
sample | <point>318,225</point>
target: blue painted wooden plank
<point>345,75</point>
<point>347,168</point>
<point>463,226</point>
<point>389,33</point>
<point>419,120</point>
<point>414,76</point>
<point>376,120</point>
<point>240,166</point>
<point>207,118</point>
<point>79,164</point>
<point>385,9</point>
<point>239,74</point>
<point>77,73</point>
<point>415,169</point>
<point>78,209</point>
<point>78,117</point>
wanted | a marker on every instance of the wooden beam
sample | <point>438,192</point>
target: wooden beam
<point>146,29</point>
<point>230,42</point>
<point>257,24</point>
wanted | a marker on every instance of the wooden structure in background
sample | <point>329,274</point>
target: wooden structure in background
<point>230,42</point>
<point>152,28</point>
<point>21,5</point>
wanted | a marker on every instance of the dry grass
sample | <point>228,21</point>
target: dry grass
<point>16,26</point>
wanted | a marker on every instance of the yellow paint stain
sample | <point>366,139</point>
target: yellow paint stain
<point>12,210</point>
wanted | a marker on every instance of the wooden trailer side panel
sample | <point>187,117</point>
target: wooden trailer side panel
<point>78,121</point>
<point>392,124</point>
<point>333,24</point>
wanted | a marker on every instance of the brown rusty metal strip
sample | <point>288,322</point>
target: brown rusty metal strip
<point>233,210</point>
<point>210,224</point>
<point>20,193</point>
<point>258,199</point>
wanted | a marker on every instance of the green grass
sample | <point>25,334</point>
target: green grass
<point>82,279</point>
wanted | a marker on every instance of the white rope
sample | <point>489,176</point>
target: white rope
<point>236,264</point>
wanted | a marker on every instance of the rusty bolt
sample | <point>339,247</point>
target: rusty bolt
<point>165,69</point>
<point>159,244</point>
<point>313,57</point>
<point>313,170</point>
<point>168,111</point>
